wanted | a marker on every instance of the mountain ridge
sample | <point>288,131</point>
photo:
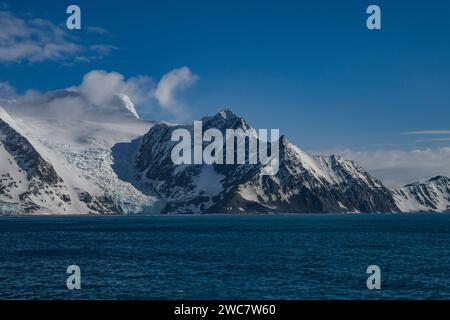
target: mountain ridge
<point>121,164</point>
<point>432,195</point>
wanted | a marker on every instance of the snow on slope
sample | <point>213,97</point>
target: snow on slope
<point>78,145</point>
<point>28,179</point>
<point>304,183</point>
<point>315,184</point>
<point>432,195</point>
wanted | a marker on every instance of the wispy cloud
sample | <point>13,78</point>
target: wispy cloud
<point>7,91</point>
<point>433,140</point>
<point>97,30</point>
<point>102,49</point>
<point>427,132</point>
<point>28,39</point>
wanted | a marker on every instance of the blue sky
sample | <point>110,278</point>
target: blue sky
<point>310,68</point>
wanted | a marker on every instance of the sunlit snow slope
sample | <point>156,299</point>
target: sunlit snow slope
<point>73,149</point>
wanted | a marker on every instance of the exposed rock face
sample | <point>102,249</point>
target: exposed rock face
<point>303,183</point>
<point>99,204</point>
<point>38,181</point>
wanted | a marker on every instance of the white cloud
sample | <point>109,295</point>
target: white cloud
<point>36,40</point>
<point>170,84</point>
<point>98,89</point>
<point>396,168</point>
<point>99,86</point>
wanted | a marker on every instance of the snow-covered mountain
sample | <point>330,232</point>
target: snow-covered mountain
<point>26,178</point>
<point>303,183</point>
<point>64,155</point>
<point>29,182</point>
<point>56,158</point>
<point>432,195</point>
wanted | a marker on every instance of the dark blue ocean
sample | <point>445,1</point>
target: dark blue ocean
<point>226,257</point>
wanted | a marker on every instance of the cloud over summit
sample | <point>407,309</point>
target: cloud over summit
<point>99,87</point>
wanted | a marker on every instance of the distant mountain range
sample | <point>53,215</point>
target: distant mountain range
<point>105,160</point>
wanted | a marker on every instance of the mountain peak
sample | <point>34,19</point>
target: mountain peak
<point>226,113</point>
<point>124,103</point>
<point>225,119</point>
<point>58,104</point>
<point>284,141</point>
<point>440,179</point>
<point>437,179</point>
